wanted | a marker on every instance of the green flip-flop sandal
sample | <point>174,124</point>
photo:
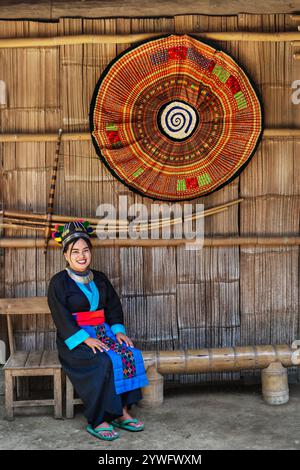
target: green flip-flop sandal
<point>125,425</point>
<point>97,433</point>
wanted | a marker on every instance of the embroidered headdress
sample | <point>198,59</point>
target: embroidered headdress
<point>64,234</point>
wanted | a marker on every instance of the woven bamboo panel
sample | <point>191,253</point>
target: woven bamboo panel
<point>81,163</point>
<point>272,72</point>
<point>267,175</point>
<point>152,321</point>
<point>211,304</point>
<point>270,280</point>
<point>33,97</point>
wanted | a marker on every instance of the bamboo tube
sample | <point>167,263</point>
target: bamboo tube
<point>86,136</point>
<point>149,243</point>
<point>55,41</point>
<point>192,361</point>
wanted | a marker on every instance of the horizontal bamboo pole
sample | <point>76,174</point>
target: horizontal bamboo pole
<point>152,243</point>
<point>267,133</point>
<point>86,136</point>
<point>243,36</point>
<point>221,359</point>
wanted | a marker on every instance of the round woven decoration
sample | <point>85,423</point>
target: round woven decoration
<point>175,119</point>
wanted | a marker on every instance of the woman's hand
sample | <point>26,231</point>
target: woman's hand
<point>95,343</point>
<point>121,337</point>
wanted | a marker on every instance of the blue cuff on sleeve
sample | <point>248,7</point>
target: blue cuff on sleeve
<point>118,328</point>
<point>76,339</point>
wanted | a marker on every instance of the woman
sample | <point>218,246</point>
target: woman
<point>94,350</point>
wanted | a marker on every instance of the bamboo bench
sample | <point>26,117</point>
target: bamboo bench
<point>273,360</point>
<point>29,363</point>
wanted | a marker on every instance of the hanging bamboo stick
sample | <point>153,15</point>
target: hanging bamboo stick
<point>93,221</point>
<point>149,243</point>
<point>86,136</point>
<point>116,225</point>
<point>52,192</point>
<point>55,41</point>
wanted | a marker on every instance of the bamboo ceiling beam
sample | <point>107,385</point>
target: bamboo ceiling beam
<point>86,136</point>
<point>245,36</point>
<point>152,243</point>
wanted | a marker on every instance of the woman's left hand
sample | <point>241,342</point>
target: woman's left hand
<point>123,338</point>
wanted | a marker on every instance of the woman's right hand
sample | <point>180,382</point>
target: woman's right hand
<point>95,343</point>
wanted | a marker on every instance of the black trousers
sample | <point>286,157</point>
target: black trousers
<point>92,377</point>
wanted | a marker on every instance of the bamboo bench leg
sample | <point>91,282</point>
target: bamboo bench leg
<point>9,411</point>
<point>275,388</point>
<point>57,394</point>
<point>153,394</point>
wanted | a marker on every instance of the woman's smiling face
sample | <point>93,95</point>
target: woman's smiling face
<point>79,255</point>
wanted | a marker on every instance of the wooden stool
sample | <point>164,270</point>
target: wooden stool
<point>29,364</point>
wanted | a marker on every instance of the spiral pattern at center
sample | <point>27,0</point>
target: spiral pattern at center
<point>178,120</point>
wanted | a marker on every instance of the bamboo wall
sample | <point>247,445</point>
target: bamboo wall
<point>172,298</point>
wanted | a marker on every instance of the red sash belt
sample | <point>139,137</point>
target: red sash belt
<point>90,318</point>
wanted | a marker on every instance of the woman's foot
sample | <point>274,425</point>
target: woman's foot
<point>129,422</point>
<point>109,432</point>
<point>133,422</point>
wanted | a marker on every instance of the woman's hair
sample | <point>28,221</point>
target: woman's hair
<point>72,242</point>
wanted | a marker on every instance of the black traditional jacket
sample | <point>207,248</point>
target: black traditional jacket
<point>65,298</point>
